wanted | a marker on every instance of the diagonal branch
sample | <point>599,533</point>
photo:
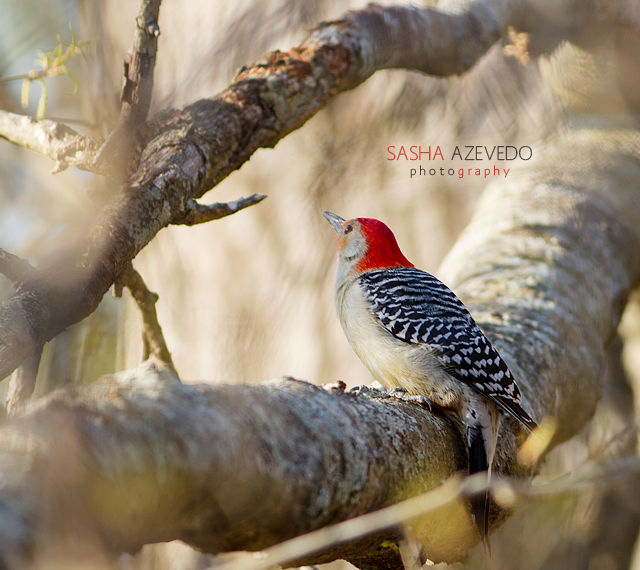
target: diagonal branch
<point>507,490</point>
<point>153,343</point>
<point>189,151</point>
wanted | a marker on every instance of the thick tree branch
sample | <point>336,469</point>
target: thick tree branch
<point>222,468</point>
<point>189,151</point>
<point>548,262</point>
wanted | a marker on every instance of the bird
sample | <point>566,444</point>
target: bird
<point>414,334</point>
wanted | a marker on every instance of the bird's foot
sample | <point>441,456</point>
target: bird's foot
<point>402,395</point>
<point>377,390</point>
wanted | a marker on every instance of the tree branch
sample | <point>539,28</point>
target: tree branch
<point>506,490</point>
<point>201,213</point>
<point>202,463</point>
<point>153,343</point>
<point>136,89</point>
<point>23,381</point>
<point>52,139</point>
<point>16,269</point>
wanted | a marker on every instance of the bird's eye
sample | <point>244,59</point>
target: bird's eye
<point>348,228</point>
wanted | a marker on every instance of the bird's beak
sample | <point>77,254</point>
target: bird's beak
<point>335,221</point>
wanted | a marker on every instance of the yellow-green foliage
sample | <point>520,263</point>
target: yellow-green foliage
<point>50,64</point>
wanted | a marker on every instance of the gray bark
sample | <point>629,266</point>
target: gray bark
<point>139,458</point>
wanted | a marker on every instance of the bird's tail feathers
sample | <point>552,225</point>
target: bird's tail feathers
<point>477,463</point>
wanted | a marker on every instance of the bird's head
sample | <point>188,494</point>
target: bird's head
<point>365,244</point>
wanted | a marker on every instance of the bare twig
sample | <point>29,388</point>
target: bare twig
<point>136,89</point>
<point>52,139</point>
<point>16,269</point>
<point>153,342</point>
<point>305,546</point>
<point>201,213</point>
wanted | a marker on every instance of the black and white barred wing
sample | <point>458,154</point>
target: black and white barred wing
<point>417,308</point>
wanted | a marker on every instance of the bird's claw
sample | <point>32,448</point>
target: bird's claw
<point>377,390</point>
<point>402,395</point>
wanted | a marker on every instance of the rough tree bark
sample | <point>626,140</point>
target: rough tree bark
<point>545,266</point>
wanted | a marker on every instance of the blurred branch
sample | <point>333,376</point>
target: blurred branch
<point>16,269</point>
<point>153,343</point>
<point>23,381</point>
<point>201,213</point>
<point>136,89</point>
<point>52,139</point>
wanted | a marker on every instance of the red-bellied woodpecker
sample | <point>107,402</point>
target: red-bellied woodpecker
<point>412,332</point>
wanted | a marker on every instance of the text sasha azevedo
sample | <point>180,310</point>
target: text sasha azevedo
<point>466,152</point>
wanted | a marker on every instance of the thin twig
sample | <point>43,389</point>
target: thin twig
<point>506,490</point>
<point>153,342</point>
<point>16,269</point>
<point>137,87</point>
<point>358,527</point>
<point>201,213</point>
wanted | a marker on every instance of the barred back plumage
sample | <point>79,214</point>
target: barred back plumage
<point>417,308</point>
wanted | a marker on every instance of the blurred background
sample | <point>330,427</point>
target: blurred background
<point>249,297</point>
